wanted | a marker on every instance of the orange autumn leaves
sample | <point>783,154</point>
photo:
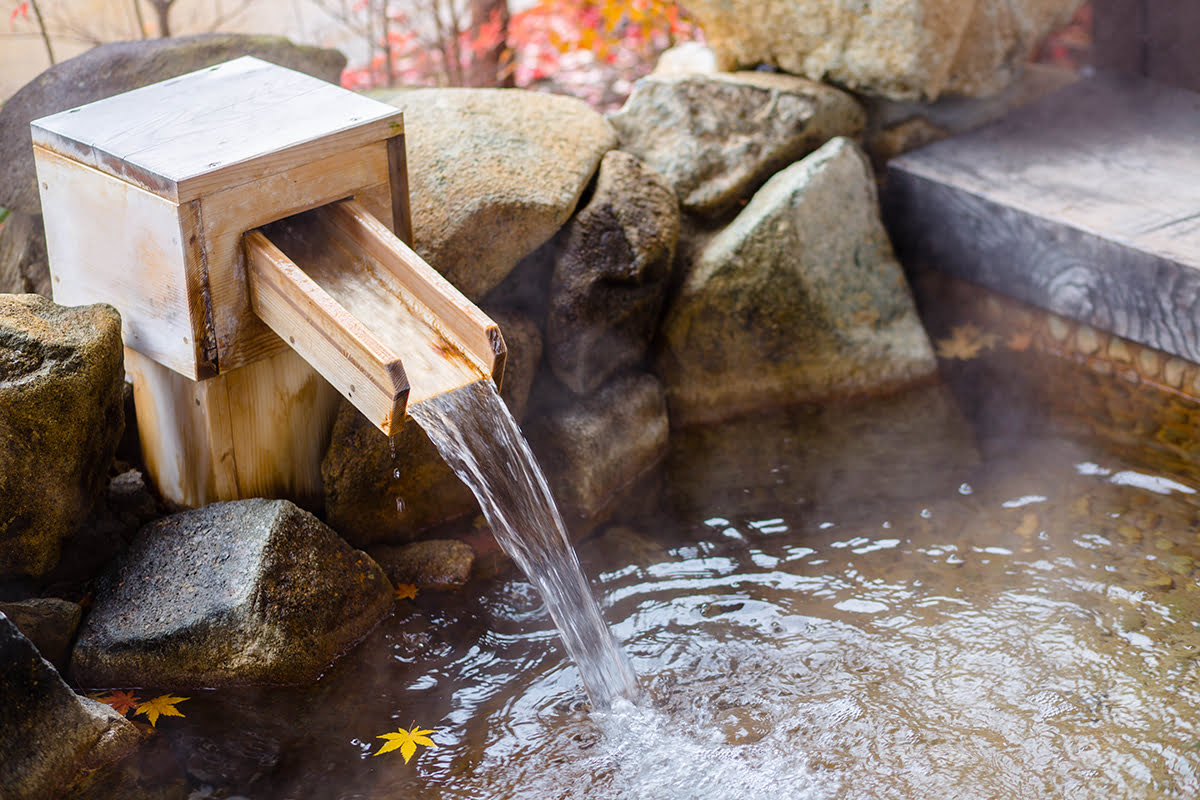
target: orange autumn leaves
<point>124,702</point>
<point>969,341</point>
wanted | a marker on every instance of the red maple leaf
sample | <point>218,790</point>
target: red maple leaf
<point>20,12</point>
<point>121,702</point>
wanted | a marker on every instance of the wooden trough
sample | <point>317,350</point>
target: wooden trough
<point>249,222</point>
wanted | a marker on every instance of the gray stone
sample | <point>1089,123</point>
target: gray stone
<point>48,622</point>
<point>49,736</point>
<point>387,490</point>
<point>238,593</point>
<point>799,299</point>
<point>610,275</point>
<point>61,417</point>
<point>598,445</point>
<point>494,173</point>
<point>905,49</point>
<point>119,67</point>
<point>23,263</point>
<point>427,564</point>
<point>716,138</point>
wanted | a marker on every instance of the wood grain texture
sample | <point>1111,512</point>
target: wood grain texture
<point>1075,204</point>
<point>364,369</point>
<point>260,431</point>
<point>217,128</point>
<point>111,242</point>
<point>240,336</point>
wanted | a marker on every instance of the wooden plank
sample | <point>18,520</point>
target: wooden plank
<point>281,414</point>
<point>365,370</point>
<point>111,242</point>
<point>354,259</point>
<point>241,337</point>
<point>457,320</point>
<point>217,128</point>
<point>185,434</point>
<point>1077,204</point>
<point>398,173</point>
<point>260,431</point>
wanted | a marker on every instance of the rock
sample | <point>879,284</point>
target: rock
<point>688,58</point>
<point>23,263</point>
<point>895,127</point>
<point>904,49</point>
<point>119,67</point>
<point>494,173</point>
<point>237,593</point>
<point>524,342</point>
<point>49,736</point>
<point>618,546</point>
<point>387,490</point>
<point>61,417</point>
<point>799,299</point>
<point>428,564</point>
<point>610,276</point>
<point>717,138</point>
<point>49,623</point>
<point>595,446</point>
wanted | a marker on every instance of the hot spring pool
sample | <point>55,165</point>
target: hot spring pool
<point>827,605</point>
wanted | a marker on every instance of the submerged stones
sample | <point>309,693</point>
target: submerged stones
<point>49,736</point>
<point>243,592</point>
<point>903,49</point>
<point>799,299</point>
<point>61,418</point>
<point>493,174</point>
<point>717,137</point>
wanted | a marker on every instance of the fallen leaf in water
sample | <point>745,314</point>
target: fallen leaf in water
<point>405,591</point>
<point>1020,342</point>
<point>407,741</point>
<point>121,702</point>
<point>164,705</point>
<point>1028,526</point>
<point>964,342</point>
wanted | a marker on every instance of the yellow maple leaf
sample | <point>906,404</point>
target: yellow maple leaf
<point>406,741</point>
<point>1020,341</point>
<point>405,591</point>
<point>163,705</point>
<point>965,341</point>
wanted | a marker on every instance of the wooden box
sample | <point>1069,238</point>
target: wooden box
<point>146,196</point>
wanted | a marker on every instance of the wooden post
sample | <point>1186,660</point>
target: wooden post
<point>1155,38</point>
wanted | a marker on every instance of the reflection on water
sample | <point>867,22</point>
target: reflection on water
<point>1026,627</point>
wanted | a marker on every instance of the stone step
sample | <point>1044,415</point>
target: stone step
<point>1086,203</point>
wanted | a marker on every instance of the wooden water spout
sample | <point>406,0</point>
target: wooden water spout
<point>233,217</point>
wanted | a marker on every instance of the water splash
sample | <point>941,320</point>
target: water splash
<point>479,439</point>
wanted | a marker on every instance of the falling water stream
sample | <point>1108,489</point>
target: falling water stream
<point>477,436</point>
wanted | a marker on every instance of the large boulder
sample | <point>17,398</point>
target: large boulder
<point>610,274</point>
<point>904,49</point>
<point>23,261</point>
<point>718,137</point>
<point>381,489</point>
<point>593,447</point>
<point>119,67</point>
<point>494,173</point>
<point>48,622</point>
<point>237,593</point>
<point>427,564</point>
<point>799,299</point>
<point>61,417</point>
<point>49,736</point>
